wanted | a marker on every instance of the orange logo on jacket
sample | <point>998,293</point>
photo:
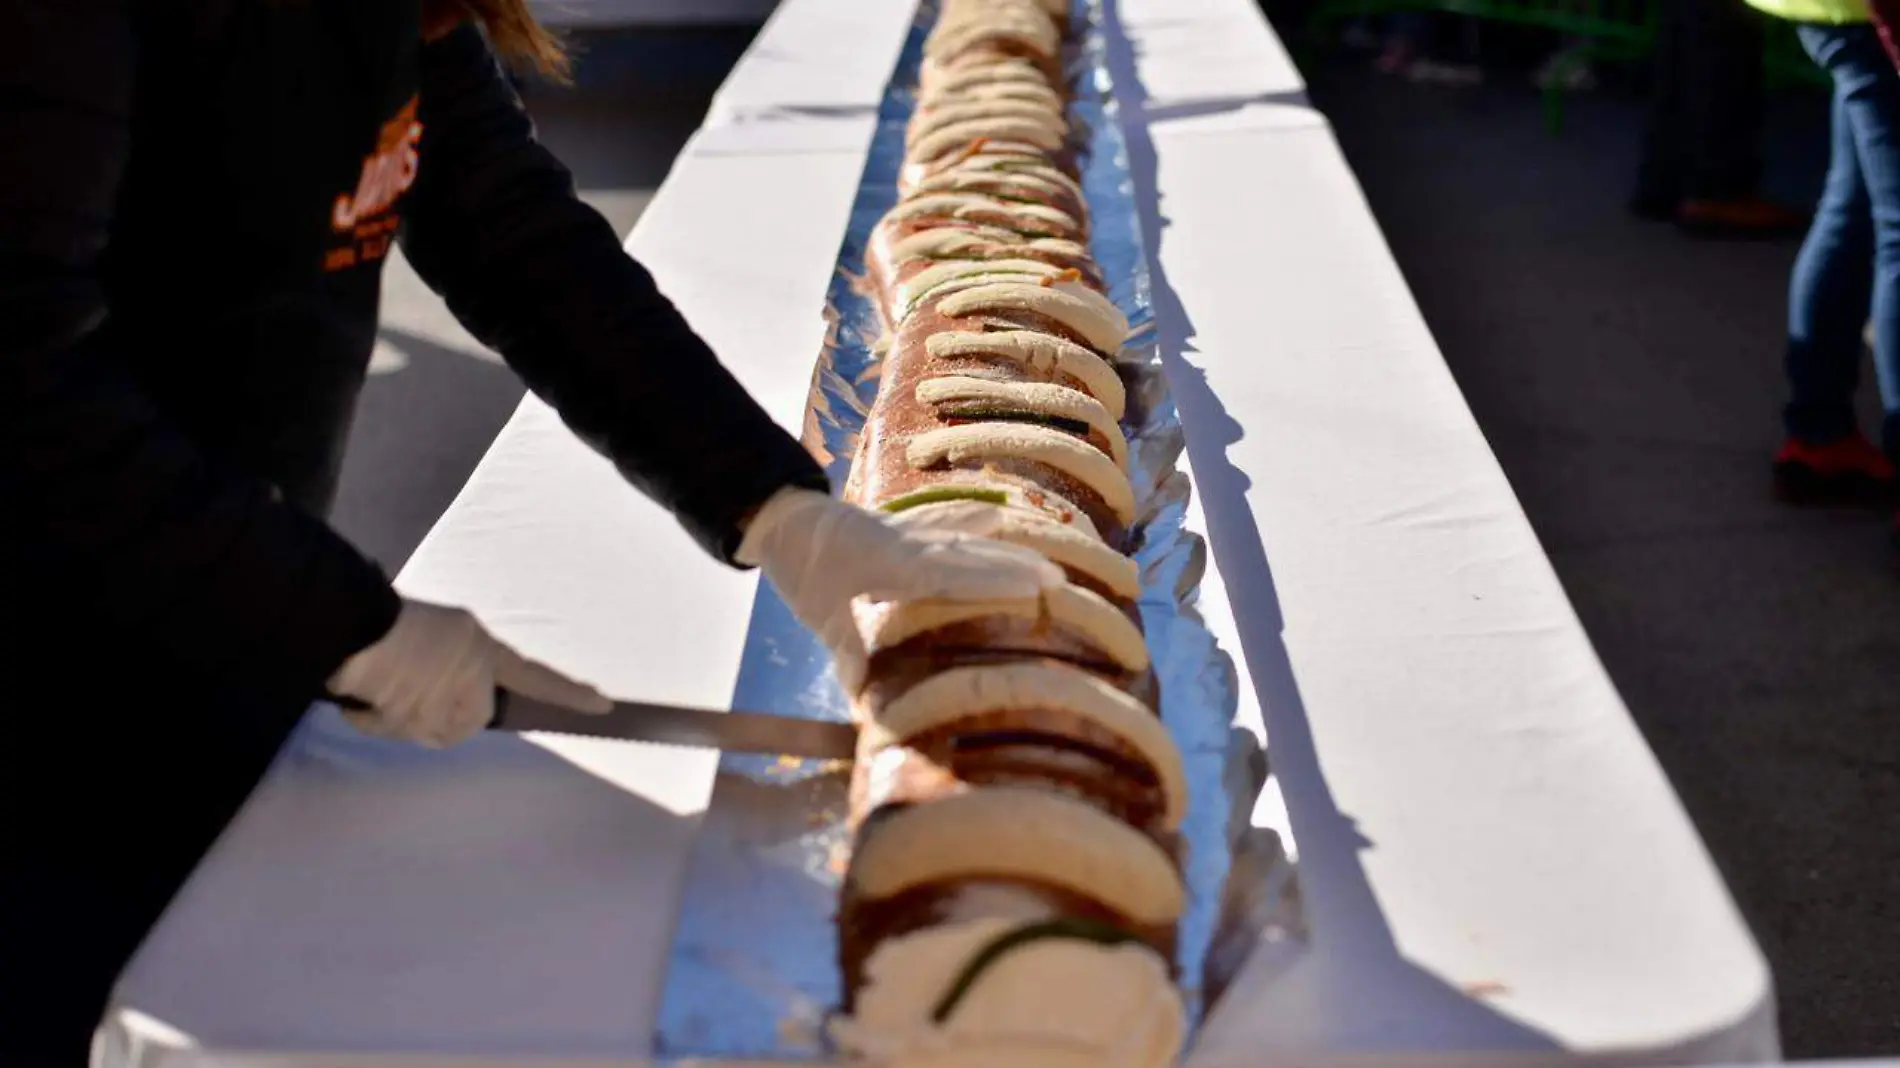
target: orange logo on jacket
<point>366,219</point>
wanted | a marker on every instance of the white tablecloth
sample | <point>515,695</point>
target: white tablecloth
<point>1493,866</point>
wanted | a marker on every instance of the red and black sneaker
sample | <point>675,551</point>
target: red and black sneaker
<point>1740,218</point>
<point>1851,470</point>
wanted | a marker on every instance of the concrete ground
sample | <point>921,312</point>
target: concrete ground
<point>1627,379</point>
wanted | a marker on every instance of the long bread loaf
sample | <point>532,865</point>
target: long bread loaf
<point>1014,884</point>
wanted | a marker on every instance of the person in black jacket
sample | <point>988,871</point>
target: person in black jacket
<point>195,202</point>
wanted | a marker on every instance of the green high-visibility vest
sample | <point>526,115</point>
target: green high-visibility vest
<point>1834,12</point>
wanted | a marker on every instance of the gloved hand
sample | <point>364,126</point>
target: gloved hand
<point>432,678</point>
<point>822,553</point>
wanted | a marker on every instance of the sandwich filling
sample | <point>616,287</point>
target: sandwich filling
<point>1003,69</point>
<point>1043,354</point>
<point>1021,500</point>
<point>1017,834</point>
<point>1092,316</point>
<point>964,397</point>
<point>1046,1002</point>
<point>935,280</point>
<point>959,32</point>
<point>1044,115</point>
<point>988,516</point>
<point>949,138</point>
<point>965,693</point>
<point>1077,610</point>
<point>1034,89</point>
<point>1015,216</point>
<point>978,242</point>
<point>977,442</point>
<point>996,181</point>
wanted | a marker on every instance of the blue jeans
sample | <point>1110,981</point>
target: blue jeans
<point>1849,267</point>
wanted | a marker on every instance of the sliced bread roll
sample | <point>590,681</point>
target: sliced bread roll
<point>1014,884</point>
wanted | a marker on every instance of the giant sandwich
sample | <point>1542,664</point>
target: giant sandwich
<point>1014,888</point>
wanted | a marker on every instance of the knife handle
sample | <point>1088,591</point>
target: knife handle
<point>500,717</point>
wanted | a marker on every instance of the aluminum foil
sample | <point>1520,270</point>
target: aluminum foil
<point>753,972</point>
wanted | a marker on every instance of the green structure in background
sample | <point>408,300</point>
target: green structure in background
<point>1607,31</point>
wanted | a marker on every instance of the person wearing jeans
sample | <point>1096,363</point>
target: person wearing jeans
<point>1848,269</point>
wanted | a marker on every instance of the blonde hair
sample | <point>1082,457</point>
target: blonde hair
<point>512,29</point>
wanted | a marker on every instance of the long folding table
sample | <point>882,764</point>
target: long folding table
<point>1491,866</point>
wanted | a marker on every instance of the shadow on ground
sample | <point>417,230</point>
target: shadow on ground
<point>1629,381</point>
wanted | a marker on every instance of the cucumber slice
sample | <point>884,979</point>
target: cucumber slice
<point>943,493</point>
<point>1001,276</point>
<point>978,412</point>
<point>1070,927</point>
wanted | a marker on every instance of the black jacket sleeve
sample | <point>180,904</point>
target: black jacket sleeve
<point>494,225</point>
<point>109,514</point>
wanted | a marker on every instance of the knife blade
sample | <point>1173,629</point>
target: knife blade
<point>698,728</point>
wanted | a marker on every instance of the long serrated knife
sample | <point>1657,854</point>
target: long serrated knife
<point>644,721</point>
<point>700,728</point>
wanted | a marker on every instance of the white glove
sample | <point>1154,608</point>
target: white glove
<point>822,553</point>
<point>432,678</point>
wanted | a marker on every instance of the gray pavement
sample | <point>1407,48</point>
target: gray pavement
<point>1629,381</point>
